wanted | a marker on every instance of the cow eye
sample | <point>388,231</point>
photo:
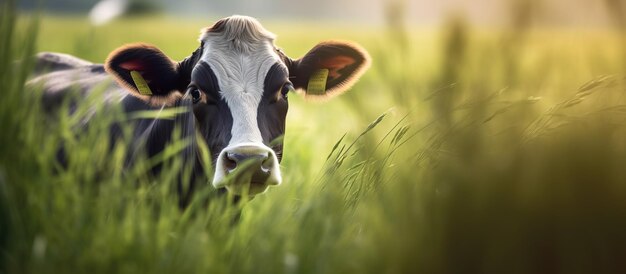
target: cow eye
<point>195,95</point>
<point>287,87</point>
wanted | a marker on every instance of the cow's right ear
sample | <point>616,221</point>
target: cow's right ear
<point>146,72</point>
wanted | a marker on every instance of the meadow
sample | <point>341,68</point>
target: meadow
<point>462,150</point>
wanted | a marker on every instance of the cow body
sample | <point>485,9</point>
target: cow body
<point>234,89</point>
<point>149,136</point>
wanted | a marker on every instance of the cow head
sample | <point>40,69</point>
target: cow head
<point>239,81</point>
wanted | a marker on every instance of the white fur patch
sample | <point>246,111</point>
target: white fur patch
<point>241,56</point>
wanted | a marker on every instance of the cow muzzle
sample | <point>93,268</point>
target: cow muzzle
<point>247,169</point>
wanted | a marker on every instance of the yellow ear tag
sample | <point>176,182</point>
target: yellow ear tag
<point>317,82</point>
<point>140,83</point>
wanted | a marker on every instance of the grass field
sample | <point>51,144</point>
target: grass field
<point>461,150</point>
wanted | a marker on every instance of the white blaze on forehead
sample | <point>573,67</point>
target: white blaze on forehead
<point>240,56</point>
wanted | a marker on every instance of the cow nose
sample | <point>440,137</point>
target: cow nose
<point>260,162</point>
<point>247,168</point>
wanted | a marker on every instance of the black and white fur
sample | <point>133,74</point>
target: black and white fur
<point>235,86</point>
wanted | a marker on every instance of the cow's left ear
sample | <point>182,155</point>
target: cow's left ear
<point>329,69</point>
<point>146,72</point>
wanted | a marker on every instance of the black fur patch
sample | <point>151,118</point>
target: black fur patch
<point>215,120</point>
<point>272,111</point>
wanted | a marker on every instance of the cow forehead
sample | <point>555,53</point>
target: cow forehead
<point>240,73</point>
<point>240,52</point>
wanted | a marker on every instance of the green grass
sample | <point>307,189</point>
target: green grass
<point>465,151</point>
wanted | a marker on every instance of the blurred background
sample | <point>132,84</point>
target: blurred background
<point>574,13</point>
<point>489,136</point>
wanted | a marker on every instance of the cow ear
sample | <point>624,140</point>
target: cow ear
<point>146,72</point>
<point>329,69</point>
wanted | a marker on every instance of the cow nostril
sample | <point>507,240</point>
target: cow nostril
<point>267,163</point>
<point>230,162</point>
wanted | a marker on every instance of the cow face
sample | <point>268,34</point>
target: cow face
<point>238,83</point>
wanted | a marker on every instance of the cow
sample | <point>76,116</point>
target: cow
<point>234,88</point>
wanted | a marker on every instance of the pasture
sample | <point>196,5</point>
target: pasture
<point>461,150</point>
